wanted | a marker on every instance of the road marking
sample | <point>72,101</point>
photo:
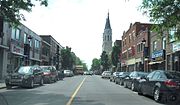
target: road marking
<point>74,94</point>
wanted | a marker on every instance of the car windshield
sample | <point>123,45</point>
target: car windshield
<point>25,70</point>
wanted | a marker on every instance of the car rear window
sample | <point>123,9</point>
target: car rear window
<point>172,75</point>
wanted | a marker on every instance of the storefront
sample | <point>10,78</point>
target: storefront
<point>15,58</point>
<point>131,64</point>
<point>157,60</point>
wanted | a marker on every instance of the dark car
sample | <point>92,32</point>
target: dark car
<point>162,85</point>
<point>132,81</point>
<point>113,76</point>
<point>120,79</point>
<point>50,74</point>
<point>25,76</point>
<point>60,74</point>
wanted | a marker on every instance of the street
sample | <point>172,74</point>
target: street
<point>77,90</point>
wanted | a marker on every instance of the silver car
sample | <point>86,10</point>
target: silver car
<point>106,74</point>
<point>68,73</point>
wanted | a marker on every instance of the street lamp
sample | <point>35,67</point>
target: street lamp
<point>144,43</point>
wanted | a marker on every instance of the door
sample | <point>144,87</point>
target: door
<point>37,75</point>
<point>152,82</point>
<point>145,85</point>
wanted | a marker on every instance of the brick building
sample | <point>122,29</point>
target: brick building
<point>135,41</point>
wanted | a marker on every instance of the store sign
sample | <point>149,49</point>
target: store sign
<point>158,55</point>
<point>176,47</point>
<point>17,50</point>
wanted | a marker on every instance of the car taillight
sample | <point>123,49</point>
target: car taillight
<point>170,83</point>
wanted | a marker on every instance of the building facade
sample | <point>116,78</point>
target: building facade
<point>4,48</point>
<point>135,41</point>
<point>158,51</point>
<point>53,56</point>
<point>173,52</point>
<point>107,37</point>
<point>18,46</point>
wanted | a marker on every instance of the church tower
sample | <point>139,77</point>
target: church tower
<point>107,37</point>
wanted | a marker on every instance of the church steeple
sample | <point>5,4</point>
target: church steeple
<point>107,36</point>
<point>107,26</point>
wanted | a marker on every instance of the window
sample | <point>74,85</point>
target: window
<point>164,43</point>
<point>30,42</point>
<point>25,38</point>
<point>37,44</point>
<point>156,76</point>
<point>154,45</point>
<point>171,34</point>
<point>15,33</point>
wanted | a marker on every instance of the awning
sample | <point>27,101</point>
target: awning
<point>155,62</point>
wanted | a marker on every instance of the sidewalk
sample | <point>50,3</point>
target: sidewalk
<point>2,84</point>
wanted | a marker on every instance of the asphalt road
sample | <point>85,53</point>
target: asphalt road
<point>77,90</point>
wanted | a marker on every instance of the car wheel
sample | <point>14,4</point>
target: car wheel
<point>41,82</point>
<point>120,82</point>
<point>132,86</point>
<point>157,95</point>
<point>125,85</point>
<point>31,84</point>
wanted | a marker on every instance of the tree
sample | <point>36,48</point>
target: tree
<point>115,55</point>
<point>105,61</point>
<point>67,58</point>
<point>10,10</point>
<point>95,64</point>
<point>165,13</point>
<point>85,67</point>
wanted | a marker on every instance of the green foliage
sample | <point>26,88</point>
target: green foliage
<point>10,10</point>
<point>105,61</point>
<point>85,67</point>
<point>78,61</point>
<point>67,58</point>
<point>165,13</point>
<point>115,55</point>
<point>95,64</point>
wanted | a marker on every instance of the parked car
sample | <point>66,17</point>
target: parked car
<point>60,75</point>
<point>132,81</point>
<point>50,74</point>
<point>88,73</point>
<point>120,79</point>
<point>25,76</point>
<point>106,74</point>
<point>162,85</point>
<point>68,73</point>
<point>113,76</point>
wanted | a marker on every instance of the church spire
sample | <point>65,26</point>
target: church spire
<point>107,26</point>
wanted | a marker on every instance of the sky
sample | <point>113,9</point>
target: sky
<point>80,24</point>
